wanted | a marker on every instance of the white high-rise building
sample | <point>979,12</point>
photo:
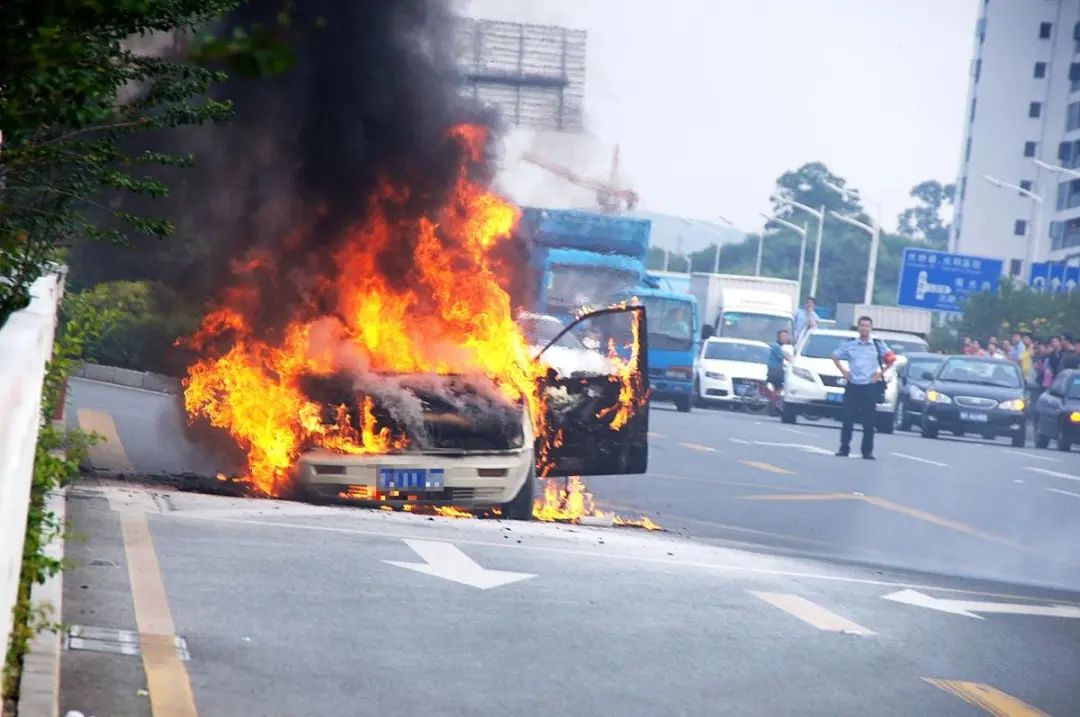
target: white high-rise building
<point>1023,106</point>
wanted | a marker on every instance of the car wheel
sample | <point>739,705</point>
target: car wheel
<point>699,400</point>
<point>1041,440</point>
<point>521,507</point>
<point>1019,438</point>
<point>928,431</point>
<point>685,404</point>
<point>788,414</point>
<point>885,422</point>
<point>1064,444</point>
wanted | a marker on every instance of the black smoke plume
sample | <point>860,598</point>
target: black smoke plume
<point>371,92</point>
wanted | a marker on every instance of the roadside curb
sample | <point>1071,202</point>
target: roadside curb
<point>145,380</point>
<point>39,684</point>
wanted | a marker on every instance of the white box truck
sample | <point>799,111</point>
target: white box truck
<point>745,307</point>
<point>886,318</point>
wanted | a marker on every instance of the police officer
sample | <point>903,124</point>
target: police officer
<point>865,359</point>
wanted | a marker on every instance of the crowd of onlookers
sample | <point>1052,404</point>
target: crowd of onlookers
<point>1040,359</point>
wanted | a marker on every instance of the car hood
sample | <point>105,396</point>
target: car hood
<point>826,367</point>
<point>998,393</point>
<point>735,369</point>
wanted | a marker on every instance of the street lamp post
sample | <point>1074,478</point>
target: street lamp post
<point>874,231</point>
<point>761,237</point>
<point>801,231</point>
<point>820,215</point>
<point>875,234</point>
<point>1032,252</point>
<point>716,253</point>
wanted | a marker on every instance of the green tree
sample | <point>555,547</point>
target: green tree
<point>79,78</point>
<point>1018,308</point>
<point>924,221</point>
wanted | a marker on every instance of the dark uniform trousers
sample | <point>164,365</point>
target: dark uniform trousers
<point>859,405</point>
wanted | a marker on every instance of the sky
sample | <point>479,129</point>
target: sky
<point>712,100</point>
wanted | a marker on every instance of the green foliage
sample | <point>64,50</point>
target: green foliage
<point>57,457</point>
<point>77,79</point>
<point>924,221</point>
<point>257,51</point>
<point>1018,308</point>
<point>144,319</point>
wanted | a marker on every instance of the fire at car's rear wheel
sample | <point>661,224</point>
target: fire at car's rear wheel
<point>521,507</point>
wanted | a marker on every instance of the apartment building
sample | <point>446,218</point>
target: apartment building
<point>1022,132</point>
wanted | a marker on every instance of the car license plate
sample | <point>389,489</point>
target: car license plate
<point>974,417</point>
<point>411,478</point>
<point>834,397</point>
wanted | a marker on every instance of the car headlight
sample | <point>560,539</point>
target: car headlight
<point>802,373</point>
<point>1074,417</point>
<point>937,397</point>
<point>916,394</point>
<point>1016,404</point>
<point>717,376</point>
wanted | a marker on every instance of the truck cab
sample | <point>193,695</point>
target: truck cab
<point>674,335</point>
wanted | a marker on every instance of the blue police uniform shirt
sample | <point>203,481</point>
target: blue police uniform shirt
<point>862,358</point>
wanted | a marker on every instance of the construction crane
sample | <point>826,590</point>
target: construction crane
<point>609,195</point>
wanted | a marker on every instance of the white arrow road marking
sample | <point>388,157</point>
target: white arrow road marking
<point>1055,474</point>
<point>1063,492</point>
<point>968,608</point>
<point>445,560</point>
<point>798,446</point>
<point>920,460</point>
<point>811,613</point>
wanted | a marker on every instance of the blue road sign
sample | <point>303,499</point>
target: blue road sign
<point>1049,276</point>
<point>940,281</point>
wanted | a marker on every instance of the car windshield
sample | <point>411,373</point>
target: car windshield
<point>731,351</point>
<point>670,322</point>
<point>919,366</point>
<point>982,372</point>
<point>823,345</point>
<point>1074,388</point>
<point>746,325</point>
<point>571,288</point>
<point>542,330</point>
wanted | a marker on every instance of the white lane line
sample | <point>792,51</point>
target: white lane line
<point>811,613</point>
<point>739,440</point>
<point>654,434</point>
<point>700,448</point>
<point>1063,492</point>
<point>1055,474</point>
<point>796,431</point>
<point>797,446</point>
<point>919,460</point>
<point>1025,454</point>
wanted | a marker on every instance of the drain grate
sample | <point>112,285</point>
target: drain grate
<point>117,642</point>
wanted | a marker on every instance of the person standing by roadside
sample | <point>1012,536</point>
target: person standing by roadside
<point>992,349</point>
<point>1053,358</point>
<point>865,358</point>
<point>1070,353</point>
<point>1025,356</point>
<point>806,318</point>
<point>775,363</point>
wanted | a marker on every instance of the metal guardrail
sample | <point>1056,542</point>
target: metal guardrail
<point>127,377</point>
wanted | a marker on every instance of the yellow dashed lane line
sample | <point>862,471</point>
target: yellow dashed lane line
<point>989,699</point>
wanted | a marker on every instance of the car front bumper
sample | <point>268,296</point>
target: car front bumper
<point>470,479</point>
<point>670,389</point>
<point>811,396</point>
<point>950,417</point>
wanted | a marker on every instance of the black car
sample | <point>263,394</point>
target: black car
<point>976,395</point>
<point>913,383</point>
<point>1057,412</point>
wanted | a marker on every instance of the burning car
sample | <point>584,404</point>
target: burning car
<point>468,446</point>
<point>394,371</point>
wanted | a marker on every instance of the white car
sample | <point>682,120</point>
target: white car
<point>730,370</point>
<point>469,447</point>
<point>814,387</point>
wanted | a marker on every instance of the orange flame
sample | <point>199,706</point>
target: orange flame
<point>452,316</point>
<point>571,501</point>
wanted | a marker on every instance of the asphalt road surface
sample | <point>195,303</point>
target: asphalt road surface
<point>940,579</point>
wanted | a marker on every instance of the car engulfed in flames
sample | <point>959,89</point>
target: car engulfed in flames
<point>402,377</point>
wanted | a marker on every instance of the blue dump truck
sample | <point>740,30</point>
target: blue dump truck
<point>582,259</point>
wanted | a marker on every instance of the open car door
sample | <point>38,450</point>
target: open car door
<point>596,396</point>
